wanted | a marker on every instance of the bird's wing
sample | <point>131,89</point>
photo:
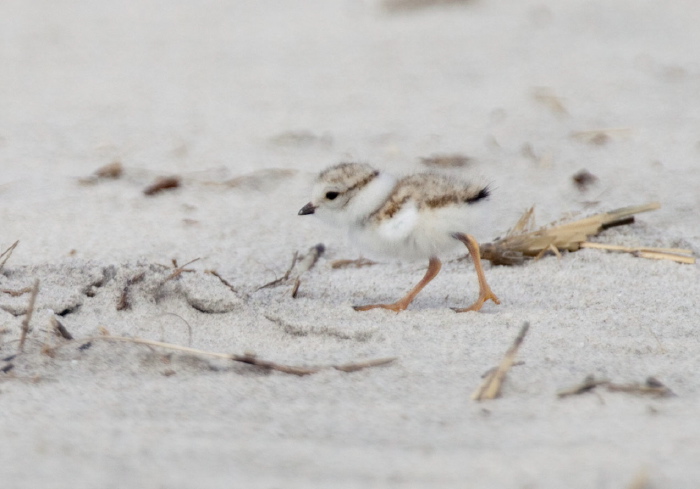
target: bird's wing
<point>400,225</point>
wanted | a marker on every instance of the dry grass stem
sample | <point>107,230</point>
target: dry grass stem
<point>357,263</point>
<point>306,264</point>
<point>5,255</point>
<point>298,267</point>
<point>547,98</point>
<point>105,332</point>
<point>222,280</point>
<point>491,386</point>
<point>588,384</point>
<point>651,386</point>
<point>285,277</point>
<point>112,170</point>
<point>161,184</point>
<point>521,242</point>
<point>310,259</point>
<point>124,302</point>
<point>599,137</point>
<point>680,255</point>
<point>455,160</point>
<point>16,292</point>
<point>60,329</point>
<point>28,316</point>
<point>247,358</point>
<point>179,270</point>
<point>354,367</point>
<point>665,256</point>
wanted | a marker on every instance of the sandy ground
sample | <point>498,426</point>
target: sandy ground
<point>273,92</point>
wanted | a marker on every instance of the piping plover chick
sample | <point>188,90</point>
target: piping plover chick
<point>421,216</point>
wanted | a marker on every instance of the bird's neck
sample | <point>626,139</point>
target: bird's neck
<point>371,197</point>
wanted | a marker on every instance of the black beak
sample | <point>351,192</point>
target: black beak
<point>307,209</point>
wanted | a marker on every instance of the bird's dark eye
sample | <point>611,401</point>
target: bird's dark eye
<point>331,195</point>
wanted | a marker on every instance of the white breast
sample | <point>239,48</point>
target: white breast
<point>413,234</point>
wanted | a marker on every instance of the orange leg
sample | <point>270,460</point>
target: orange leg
<point>434,266</point>
<point>485,292</point>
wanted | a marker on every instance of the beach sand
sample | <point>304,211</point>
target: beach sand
<point>245,102</point>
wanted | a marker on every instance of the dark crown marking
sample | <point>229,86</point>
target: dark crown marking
<point>349,178</point>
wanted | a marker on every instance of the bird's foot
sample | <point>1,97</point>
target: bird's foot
<point>484,296</point>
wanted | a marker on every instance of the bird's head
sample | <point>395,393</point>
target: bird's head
<point>334,190</point>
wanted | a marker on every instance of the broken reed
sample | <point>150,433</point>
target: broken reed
<point>249,358</point>
<point>522,242</point>
<point>490,388</point>
<point>28,316</point>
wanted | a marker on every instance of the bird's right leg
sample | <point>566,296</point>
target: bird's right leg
<point>485,292</point>
<point>434,266</point>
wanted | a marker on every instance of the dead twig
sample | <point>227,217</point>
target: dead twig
<point>521,242</point>
<point>491,386</point>
<point>16,292</point>
<point>547,98</point>
<point>357,263</point>
<point>60,329</point>
<point>111,171</point>
<point>306,264</point>
<point>180,270</point>
<point>680,255</point>
<point>600,137</point>
<point>162,328</point>
<point>651,386</point>
<point>247,358</point>
<point>223,280</point>
<point>7,254</point>
<point>124,302</point>
<point>267,365</point>
<point>354,367</point>
<point>455,160</point>
<point>588,384</point>
<point>299,266</point>
<point>163,183</point>
<point>493,369</point>
<point>284,277</point>
<point>28,316</point>
<point>664,256</point>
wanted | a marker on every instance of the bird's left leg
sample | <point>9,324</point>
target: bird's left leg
<point>485,292</point>
<point>434,266</point>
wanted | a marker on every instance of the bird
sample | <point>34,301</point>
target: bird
<point>416,217</point>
